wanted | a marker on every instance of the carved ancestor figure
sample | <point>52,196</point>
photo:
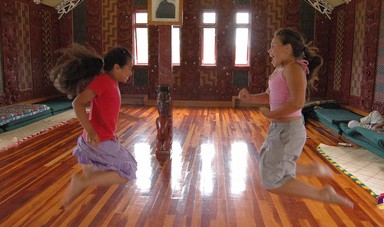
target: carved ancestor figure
<point>164,121</point>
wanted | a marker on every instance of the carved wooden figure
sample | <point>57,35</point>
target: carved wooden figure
<point>164,121</point>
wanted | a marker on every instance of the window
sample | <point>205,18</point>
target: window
<point>242,39</point>
<point>175,45</point>
<point>208,47</point>
<point>140,38</point>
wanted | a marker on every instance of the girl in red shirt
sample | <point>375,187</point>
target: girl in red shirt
<point>81,73</point>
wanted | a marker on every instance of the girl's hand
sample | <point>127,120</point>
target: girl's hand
<point>266,112</point>
<point>243,95</point>
<point>93,138</point>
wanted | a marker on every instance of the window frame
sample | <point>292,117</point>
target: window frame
<point>180,30</point>
<point>203,26</point>
<point>134,38</point>
<point>248,26</point>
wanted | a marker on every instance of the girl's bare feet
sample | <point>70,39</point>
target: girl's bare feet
<point>330,195</point>
<point>75,188</point>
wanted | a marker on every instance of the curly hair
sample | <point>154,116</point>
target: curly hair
<point>78,65</point>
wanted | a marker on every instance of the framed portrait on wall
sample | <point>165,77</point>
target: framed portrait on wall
<point>165,12</point>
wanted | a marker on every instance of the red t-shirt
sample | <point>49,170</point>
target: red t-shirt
<point>105,107</point>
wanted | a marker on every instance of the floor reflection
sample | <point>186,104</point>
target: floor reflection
<point>176,167</point>
<point>144,171</point>
<point>238,167</point>
<point>207,154</point>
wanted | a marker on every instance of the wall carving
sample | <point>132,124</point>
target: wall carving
<point>94,24</point>
<point>372,26</point>
<point>109,25</point>
<point>357,57</point>
<point>379,83</point>
<point>23,46</point>
<point>47,46</point>
<point>11,88</point>
<point>369,30</point>
<point>339,50</point>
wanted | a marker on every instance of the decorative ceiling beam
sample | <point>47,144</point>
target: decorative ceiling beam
<point>323,6</point>
<point>64,7</point>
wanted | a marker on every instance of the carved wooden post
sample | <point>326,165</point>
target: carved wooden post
<point>164,121</point>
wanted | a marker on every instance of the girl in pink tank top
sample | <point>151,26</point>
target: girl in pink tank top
<point>295,65</point>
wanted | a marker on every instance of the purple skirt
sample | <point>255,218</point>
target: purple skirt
<point>109,155</point>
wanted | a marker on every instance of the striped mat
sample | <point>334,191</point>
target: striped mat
<point>362,166</point>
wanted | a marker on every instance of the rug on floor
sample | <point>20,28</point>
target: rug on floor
<point>362,166</point>
<point>20,141</point>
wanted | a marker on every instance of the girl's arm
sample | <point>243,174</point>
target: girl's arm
<point>261,98</point>
<point>79,106</point>
<point>297,83</point>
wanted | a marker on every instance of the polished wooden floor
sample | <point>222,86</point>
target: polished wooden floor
<point>211,178</point>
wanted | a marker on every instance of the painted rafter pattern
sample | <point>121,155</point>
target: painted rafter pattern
<point>64,7</point>
<point>323,6</point>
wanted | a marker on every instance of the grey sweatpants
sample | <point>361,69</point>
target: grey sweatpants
<point>281,148</point>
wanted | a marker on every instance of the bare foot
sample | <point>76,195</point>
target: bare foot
<point>331,196</point>
<point>322,171</point>
<point>75,188</point>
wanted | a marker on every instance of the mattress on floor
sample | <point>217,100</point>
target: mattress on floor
<point>16,112</point>
<point>18,115</point>
<point>333,117</point>
<point>366,138</point>
<point>26,121</point>
<point>59,105</point>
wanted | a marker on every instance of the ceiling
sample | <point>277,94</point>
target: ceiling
<point>51,3</point>
<point>335,3</point>
<point>54,3</point>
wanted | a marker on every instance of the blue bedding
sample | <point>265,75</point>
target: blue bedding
<point>366,138</point>
<point>16,112</point>
<point>333,117</point>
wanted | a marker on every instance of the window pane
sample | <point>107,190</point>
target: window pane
<point>141,18</point>
<point>242,18</point>
<point>141,46</point>
<point>209,46</point>
<point>241,57</point>
<point>209,18</point>
<point>175,46</point>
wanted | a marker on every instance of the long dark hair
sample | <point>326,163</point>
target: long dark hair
<point>78,65</point>
<point>301,50</point>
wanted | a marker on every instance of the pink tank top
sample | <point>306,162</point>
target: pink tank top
<point>278,89</point>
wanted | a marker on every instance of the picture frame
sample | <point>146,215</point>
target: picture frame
<point>165,12</point>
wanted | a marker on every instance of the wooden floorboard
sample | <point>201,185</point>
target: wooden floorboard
<point>211,179</point>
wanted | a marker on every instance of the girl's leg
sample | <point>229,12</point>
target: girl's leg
<point>314,169</point>
<point>295,187</point>
<point>90,177</point>
<point>87,170</point>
